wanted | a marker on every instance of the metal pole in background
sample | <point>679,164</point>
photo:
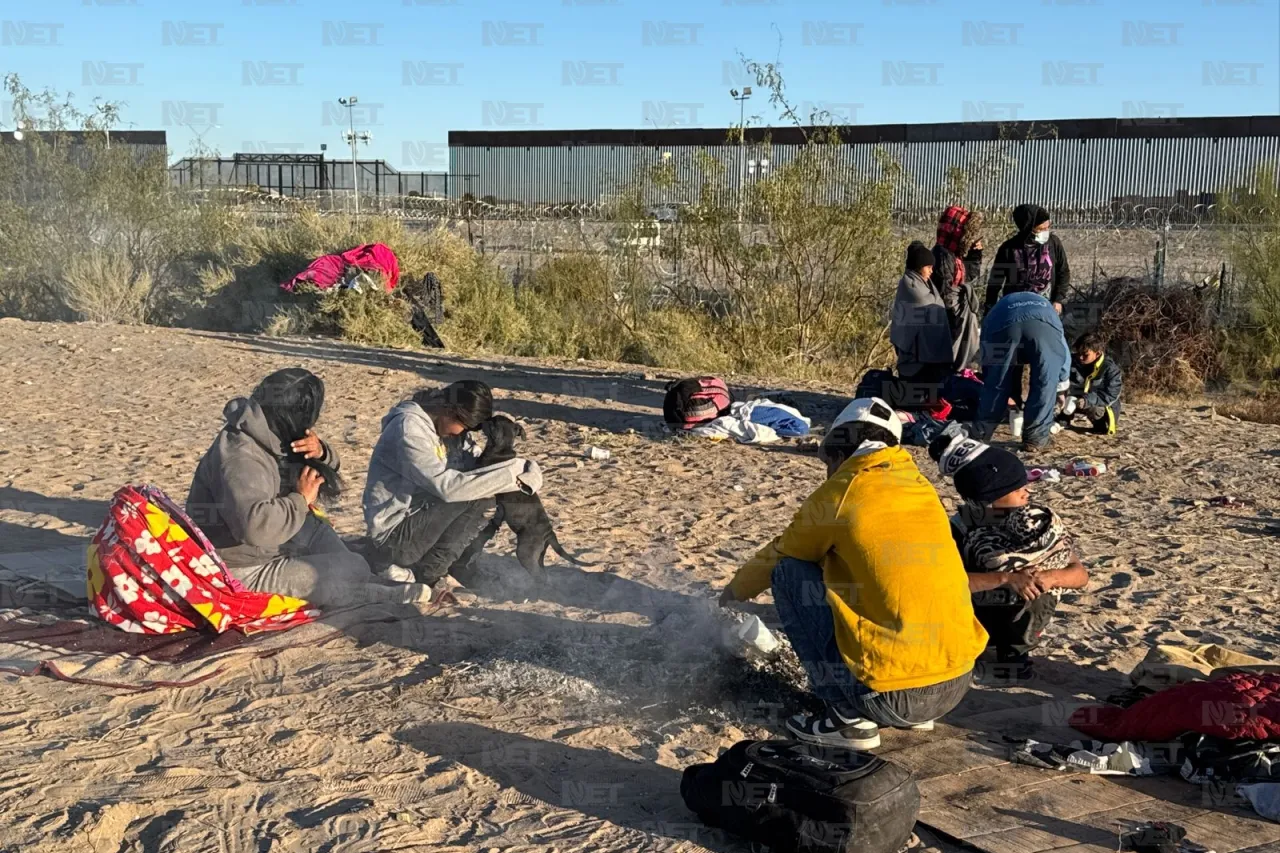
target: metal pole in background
<point>355,175</point>
<point>350,104</point>
<point>741,98</point>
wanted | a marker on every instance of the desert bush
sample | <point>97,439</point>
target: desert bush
<point>91,231</point>
<point>1253,352</point>
<point>804,286</point>
<point>607,308</point>
<point>104,285</point>
<point>369,315</point>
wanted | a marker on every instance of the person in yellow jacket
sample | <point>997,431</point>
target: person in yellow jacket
<point>870,589</point>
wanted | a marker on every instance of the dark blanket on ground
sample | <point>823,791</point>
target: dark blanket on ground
<point>101,638</point>
<point>1239,706</point>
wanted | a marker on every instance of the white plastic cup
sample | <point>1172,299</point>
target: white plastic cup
<point>1015,424</point>
<point>597,454</point>
<point>756,635</point>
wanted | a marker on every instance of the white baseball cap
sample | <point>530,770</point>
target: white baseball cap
<point>871,410</point>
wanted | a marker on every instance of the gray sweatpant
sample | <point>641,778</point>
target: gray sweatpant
<point>317,566</point>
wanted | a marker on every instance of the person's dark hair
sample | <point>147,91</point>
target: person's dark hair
<point>844,439</point>
<point>469,402</point>
<point>291,400</point>
<point>1091,342</point>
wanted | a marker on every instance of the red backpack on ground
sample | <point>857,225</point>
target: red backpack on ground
<point>690,402</point>
<point>151,571</point>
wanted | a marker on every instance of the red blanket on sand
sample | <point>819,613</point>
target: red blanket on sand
<point>326,271</point>
<point>151,571</point>
<point>1243,705</point>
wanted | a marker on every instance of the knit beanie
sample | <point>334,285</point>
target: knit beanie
<point>981,473</point>
<point>990,476</point>
<point>919,256</point>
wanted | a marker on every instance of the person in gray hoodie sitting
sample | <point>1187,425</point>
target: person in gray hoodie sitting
<point>920,332</point>
<point>255,495</point>
<point>425,500</point>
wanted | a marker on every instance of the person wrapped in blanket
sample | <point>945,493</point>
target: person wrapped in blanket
<point>957,265</point>
<point>1095,386</point>
<point>1019,554</point>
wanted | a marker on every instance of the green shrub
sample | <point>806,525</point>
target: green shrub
<point>367,316</point>
<point>105,286</point>
<point>1253,349</point>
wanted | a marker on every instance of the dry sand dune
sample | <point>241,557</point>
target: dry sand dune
<point>544,719</point>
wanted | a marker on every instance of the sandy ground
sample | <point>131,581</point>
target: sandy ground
<point>534,719</point>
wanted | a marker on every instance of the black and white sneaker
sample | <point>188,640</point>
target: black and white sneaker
<point>834,729</point>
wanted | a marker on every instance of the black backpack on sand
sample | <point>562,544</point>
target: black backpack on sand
<point>795,797</point>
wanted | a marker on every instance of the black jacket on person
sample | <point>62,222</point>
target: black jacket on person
<point>1098,383</point>
<point>1005,273</point>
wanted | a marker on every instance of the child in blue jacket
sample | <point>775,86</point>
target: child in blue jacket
<point>1095,385</point>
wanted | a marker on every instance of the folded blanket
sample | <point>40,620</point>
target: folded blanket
<point>1242,705</point>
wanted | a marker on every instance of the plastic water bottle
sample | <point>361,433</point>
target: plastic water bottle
<point>1015,424</point>
<point>756,636</point>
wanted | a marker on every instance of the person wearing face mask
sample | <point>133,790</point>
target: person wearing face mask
<point>1033,260</point>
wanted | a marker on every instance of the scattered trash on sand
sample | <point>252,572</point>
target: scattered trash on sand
<point>1082,466</point>
<point>1044,475</point>
<point>597,454</point>
<point>1094,757</point>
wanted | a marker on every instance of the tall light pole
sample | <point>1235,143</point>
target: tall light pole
<point>200,149</point>
<point>354,139</point>
<point>741,98</point>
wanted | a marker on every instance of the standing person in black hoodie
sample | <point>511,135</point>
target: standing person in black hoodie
<point>1032,260</point>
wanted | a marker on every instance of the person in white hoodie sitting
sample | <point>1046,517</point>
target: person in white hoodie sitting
<point>425,500</point>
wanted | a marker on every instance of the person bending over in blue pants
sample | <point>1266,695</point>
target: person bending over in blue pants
<point>1022,328</point>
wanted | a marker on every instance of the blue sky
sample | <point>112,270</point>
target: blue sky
<point>265,74</point>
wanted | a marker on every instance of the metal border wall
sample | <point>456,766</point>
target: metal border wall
<point>1167,165</point>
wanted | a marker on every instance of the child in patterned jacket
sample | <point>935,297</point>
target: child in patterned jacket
<point>1018,554</point>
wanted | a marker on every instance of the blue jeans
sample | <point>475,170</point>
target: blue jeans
<point>1032,340</point>
<point>799,594</point>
